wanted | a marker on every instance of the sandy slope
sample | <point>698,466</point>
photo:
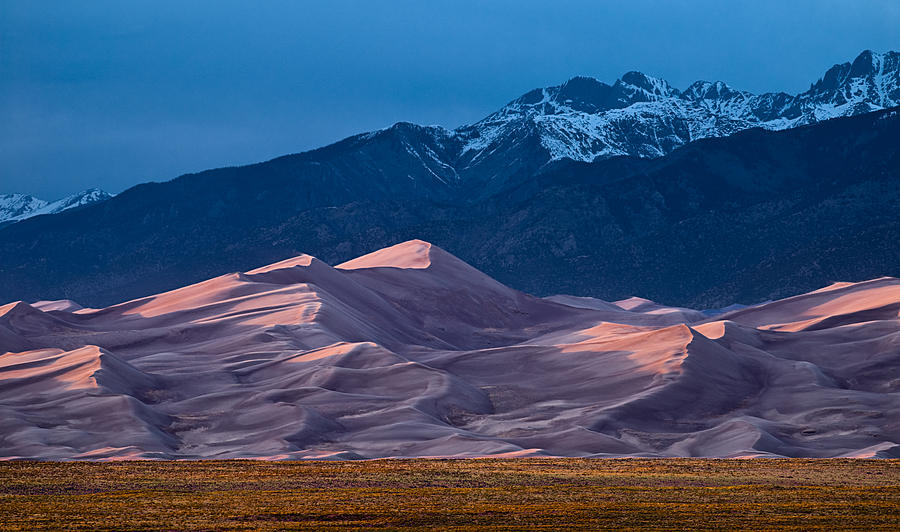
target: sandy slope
<point>409,351</point>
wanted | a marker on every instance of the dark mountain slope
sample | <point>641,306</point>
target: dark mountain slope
<point>749,217</point>
<point>752,217</point>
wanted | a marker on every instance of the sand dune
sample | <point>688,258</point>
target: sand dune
<point>409,351</point>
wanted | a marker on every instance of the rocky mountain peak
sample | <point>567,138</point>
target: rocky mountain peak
<point>641,87</point>
<point>639,115</point>
<point>16,207</point>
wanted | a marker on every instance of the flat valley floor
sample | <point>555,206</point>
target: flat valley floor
<point>528,493</point>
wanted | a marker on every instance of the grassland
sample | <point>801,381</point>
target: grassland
<point>551,494</point>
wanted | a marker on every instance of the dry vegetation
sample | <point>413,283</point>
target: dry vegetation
<point>526,493</point>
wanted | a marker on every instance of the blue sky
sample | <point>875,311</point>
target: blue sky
<point>111,93</point>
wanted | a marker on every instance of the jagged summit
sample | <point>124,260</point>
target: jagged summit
<point>590,95</point>
<point>706,90</point>
<point>872,80</point>
<point>585,118</point>
<point>641,87</point>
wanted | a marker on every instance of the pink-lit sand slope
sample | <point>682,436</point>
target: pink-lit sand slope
<point>409,351</point>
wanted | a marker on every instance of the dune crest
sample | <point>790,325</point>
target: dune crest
<point>415,254</point>
<point>409,351</point>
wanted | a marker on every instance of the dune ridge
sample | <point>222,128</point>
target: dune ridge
<point>409,351</point>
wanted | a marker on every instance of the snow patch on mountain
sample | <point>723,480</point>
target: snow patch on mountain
<point>585,119</point>
<point>16,207</point>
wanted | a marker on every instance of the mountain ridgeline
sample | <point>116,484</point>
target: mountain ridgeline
<point>700,197</point>
<point>17,207</point>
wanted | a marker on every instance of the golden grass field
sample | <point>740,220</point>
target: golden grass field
<point>548,494</point>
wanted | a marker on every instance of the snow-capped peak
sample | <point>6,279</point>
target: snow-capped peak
<point>16,207</point>
<point>639,115</point>
<point>872,79</point>
<point>705,90</point>
<point>641,87</point>
<point>590,95</point>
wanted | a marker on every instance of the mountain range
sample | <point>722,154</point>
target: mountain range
<point>622,188</point>
<point>409,351</point>
<point>16,207</point>
<point>586,119</point>
<point>638,115</point>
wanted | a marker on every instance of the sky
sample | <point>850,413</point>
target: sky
<point>109,94</point>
